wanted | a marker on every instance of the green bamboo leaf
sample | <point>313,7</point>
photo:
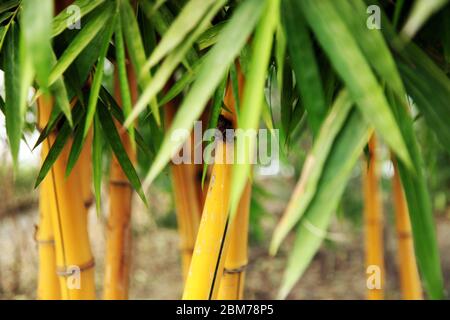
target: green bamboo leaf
<point>312,169</point>
<point>216,108</point>
<point>37,33</point>
<point>372,43</point>
<point>431,96</point>
<point>170,63</point>
<point>112,136</point>
<point>18,79</point>
<point>97,169</point>
<point>190,16</point>
<point>186,79</point>
<point>312,229</point>
<point>309,83</point>
<point>62,104</point>
<point>8,5</point>
<point>66,17</point>
<point>97,81</point>
<point>252,102</point>
<point>117,113</point>
<point>349,62</point>
<point>209,37</point>
<point>61,139</point>
<point>136,50</point>
<point>125,93</point>
<point>420,209</point>
<point>6,16</point>
<point>421,11</point>
<point>425,82</point>
<point>98,20</point>
<point>221,56</point>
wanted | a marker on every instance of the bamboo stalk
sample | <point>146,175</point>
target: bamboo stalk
<point>187,200</point>
<point>373,220</point>
<point>409,275</point>
<point>48,283</point>
<point>118,238</point>
<point>232,283</point>
<point>207,262</point>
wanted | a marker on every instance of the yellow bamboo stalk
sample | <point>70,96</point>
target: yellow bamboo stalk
<point>118,237</point>
<point>373,220</point>
<point>207,262</point>
<point>232,282</point>
<point>187,206</point>
<point>48,283</point>
<point>409,275</point>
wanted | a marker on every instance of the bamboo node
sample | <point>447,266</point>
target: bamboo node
<point>235,270</point>
<point>120,183</point>
<point>67,271</point>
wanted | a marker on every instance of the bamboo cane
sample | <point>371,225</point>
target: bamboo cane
<point>232,282</point>
<point>373,226</point>
<point>118,243</point>
<point>48,283</point>
<point>187,199</point>
<point>409,275</point>
<point>207,261</point>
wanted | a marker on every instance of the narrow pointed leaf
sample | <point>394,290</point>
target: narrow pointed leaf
<point>170,63</point>
<point>221,56</point>
<point>77,10</point>
<point>81,40</point>
<point>349,62</point>
<point>97,169</point>
<point>37,32</point>
<point>312,169</point>
<point>190,16</point>
<point>18,78</point>
<point>113,138</point>
<point>136,50</point>
<point>312,229</point>
<point>304,63</point>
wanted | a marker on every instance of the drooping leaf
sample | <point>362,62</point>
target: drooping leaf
<point>221,56</point>
<point>309,83</point>
<point>18,79</point>
<point>90,29</point>
<point>420,209</point>
<point>37,29</point>
<point>349,62</point>
<point>312,229</point>
<point>371,42</point>
<point>97,169</point>
<point>186,21</point>
<point>170,63</point>
<point>113,138</point>
<point>125,93</point>
<point>313,167</point>
<point>136,50</point>
<point>117,113</point>
<point>421,11</point>
<point>68,16</point>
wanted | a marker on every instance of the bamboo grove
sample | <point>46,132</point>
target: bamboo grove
<point>356,78</point>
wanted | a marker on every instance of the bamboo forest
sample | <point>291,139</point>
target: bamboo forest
<point>224,149</point>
